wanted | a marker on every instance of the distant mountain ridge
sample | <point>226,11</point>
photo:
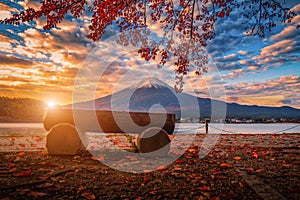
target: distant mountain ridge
<point>142,96</point>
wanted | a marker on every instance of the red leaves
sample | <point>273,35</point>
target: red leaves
<point>178,161</point>
<point>88,195</point>
<point>204,188</point>
<point>25,173</point>
<point>255,155</point>
<point>11,165</point>
<point>237,158</point>
<point>21,154</point>
<point>22,145</point>
<point>161,168</point>
<point>36,194</point>
<point>132,15</point>
<point>225,166</point>
<point>146,180</point>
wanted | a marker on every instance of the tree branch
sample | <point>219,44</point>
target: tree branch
<point>192,22</point>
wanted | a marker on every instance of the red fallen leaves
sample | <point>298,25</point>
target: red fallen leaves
<point>21,154</point>
<point>36,194</point>
<point>48,164</point>
<point>146,180</point>
<point>204,188</point>
<point>293,155</point>
<point>45,185</point>
<point>88,195</point>
<point>262,170</point>
<point>22,145</point>
<point>194,155</point>
<point>225,166</point>
<point>178,161</point>
<point>38,139</point>
<point>11,165</point>
<point>241,185</point>
<point>33,145</point>
<point>237,158</point>
<point>25,173</point>
<point>161,168</point>
<point>255,155</point>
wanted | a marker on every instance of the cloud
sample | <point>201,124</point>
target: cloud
<point>287,33</point>
<point>273,92</point>
<point>252,68</point>
<point>234,74</point>
<point>14,62</point>
<point>280,52</point>
<point>243,52</point>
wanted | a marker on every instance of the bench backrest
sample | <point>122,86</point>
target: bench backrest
<point>109,121</point>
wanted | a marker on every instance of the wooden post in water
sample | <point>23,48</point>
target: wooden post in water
<point>206,125</point>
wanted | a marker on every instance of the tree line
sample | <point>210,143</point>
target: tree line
<point>21,109</point>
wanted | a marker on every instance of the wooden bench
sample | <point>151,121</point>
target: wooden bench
<point>66,128</point>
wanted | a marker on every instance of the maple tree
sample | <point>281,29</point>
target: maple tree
<point>187,25</point>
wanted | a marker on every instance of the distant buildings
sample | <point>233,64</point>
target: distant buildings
<point>239,120</point>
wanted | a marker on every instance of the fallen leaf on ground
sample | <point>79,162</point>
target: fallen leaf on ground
<point>204,188</point>
<point>38,139</point>
<point>216,172</point>
<point>146,179</point>
<point>22,190</point>
<point>88,195</point>
<point>44,185</point>
<point>21,154</point>
<point>76,157</point>
<point>11,165</point>
<point>241,185</point>
<point>13,170</point>
<point>153,192</point>
<point>161,168</point>
<point>260,170</point>
<point>22,145</point>
<point>179,161</point>
<point>177,168</point>
<point>37,194</point>
<point>25,173</point>
<point>255,155</point>
<point>195,155</point>
<point>50,165</point>
<point>225,165</point>
<point>286,165</point>
<point>237,158</point>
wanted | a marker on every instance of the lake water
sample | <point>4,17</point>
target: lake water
<point>181,128</point>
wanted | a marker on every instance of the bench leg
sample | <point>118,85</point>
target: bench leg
<point>63,139</point>
<point>154,140</point>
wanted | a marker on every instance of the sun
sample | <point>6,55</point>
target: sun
<point>51,104</point>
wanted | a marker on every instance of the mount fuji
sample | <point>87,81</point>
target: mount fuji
<point>153,95</point>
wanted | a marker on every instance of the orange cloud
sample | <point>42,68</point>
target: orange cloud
<point>272,92</point>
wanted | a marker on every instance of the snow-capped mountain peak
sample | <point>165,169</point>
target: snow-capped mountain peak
<point>150,82</point>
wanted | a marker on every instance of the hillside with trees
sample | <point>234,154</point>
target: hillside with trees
<point>21,110</point>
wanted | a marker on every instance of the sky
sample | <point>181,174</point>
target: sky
<point>48,65</point>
